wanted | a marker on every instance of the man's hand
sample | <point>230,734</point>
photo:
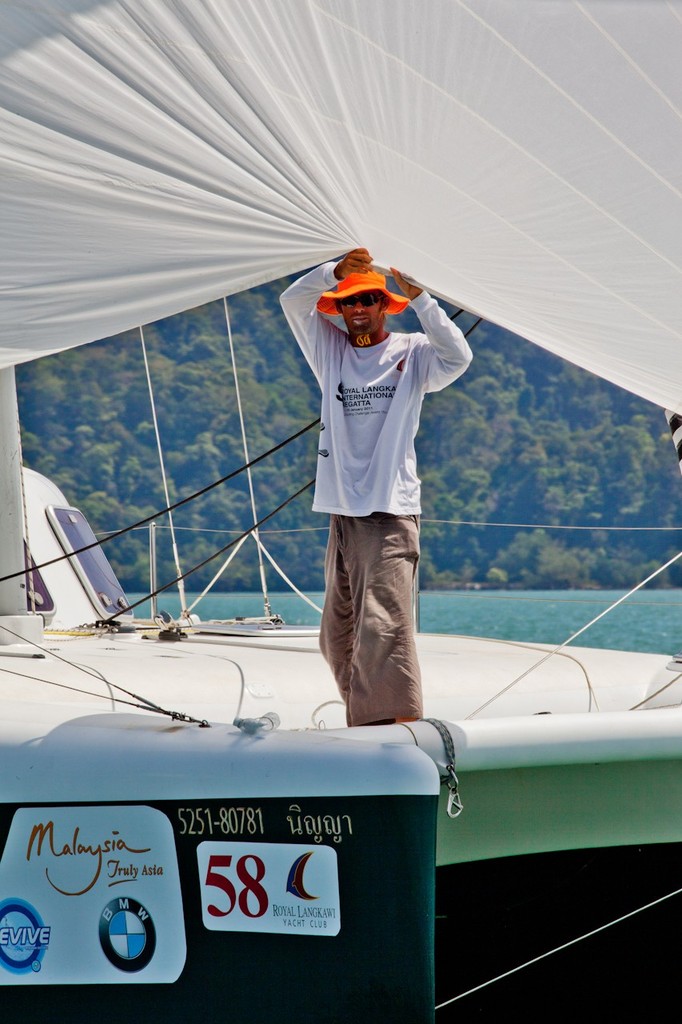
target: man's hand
<point>357,261</point>
<point>405,286</point>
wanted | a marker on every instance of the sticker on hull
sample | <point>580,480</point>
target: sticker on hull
<point>91,895</point>
<point>269,887</point>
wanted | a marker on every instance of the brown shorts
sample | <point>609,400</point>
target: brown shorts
<point>367,633</point>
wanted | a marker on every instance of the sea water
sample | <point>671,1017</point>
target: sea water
<point>649,621</point>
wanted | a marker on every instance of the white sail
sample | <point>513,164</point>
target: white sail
<point>523,160</point>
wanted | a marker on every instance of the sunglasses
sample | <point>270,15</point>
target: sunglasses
<point>364,298</point>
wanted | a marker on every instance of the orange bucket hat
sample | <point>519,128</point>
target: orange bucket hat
<point>356,283</point>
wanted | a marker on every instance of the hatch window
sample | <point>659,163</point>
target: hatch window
<point>38,597</point>
<point>92,567</point>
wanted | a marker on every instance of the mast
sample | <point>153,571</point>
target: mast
<point>16,624</point>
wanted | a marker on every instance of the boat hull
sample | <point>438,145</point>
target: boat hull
<point>560,882</point>
<point>562,807</point>
<point>260,878</point>
<point>592,931</point>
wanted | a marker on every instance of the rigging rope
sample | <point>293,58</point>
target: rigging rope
<point>558,949</point>
<point>261,566</point>
<point>210,558</point>
<point>559,649</point>
<point>549,526</point>
<point>174,545</point>
<point>142,703</point>
<point>171,508</point>
<point>473,326</point>
<point>238,545</point>
<point>278,569</point>
<point>30,568</point>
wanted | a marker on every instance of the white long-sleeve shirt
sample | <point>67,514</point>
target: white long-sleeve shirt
<point>371,399</point>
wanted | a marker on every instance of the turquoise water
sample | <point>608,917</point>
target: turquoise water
<point>648,621</point>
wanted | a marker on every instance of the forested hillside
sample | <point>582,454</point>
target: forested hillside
<point>521,439</point>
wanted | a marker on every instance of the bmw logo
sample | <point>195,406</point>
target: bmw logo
<point>127,934</point>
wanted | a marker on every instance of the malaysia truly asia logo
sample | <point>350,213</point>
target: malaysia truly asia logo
<point>24,937</point>
<point>76,851</point>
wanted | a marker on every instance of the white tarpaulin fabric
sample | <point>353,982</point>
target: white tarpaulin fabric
<point>521,159</point>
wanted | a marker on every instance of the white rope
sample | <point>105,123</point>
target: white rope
<point>176,556</point>
<point>551,526</point>
<point>261,566</point>
<point>319,724</point>
<point>527,645</point>
<point>219,573</point>
<point>286,579</point>
<point>517,597</point>
<point>273,563</point>
<point>30,574</point>
<point>657,693</point>
<point>558,949</point>
<point>574,636</point>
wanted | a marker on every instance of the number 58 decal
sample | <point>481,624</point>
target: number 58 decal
<point>249,885</point>
<point>269,887</point>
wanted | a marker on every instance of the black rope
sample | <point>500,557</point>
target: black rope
<point>472,329</point>
<point>216,554</point>
<point>142,703</point>
<point>165,511</point>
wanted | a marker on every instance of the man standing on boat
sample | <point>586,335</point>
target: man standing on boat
<point>373,382</point>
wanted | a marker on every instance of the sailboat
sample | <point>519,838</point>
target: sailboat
<point>519,161</point>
